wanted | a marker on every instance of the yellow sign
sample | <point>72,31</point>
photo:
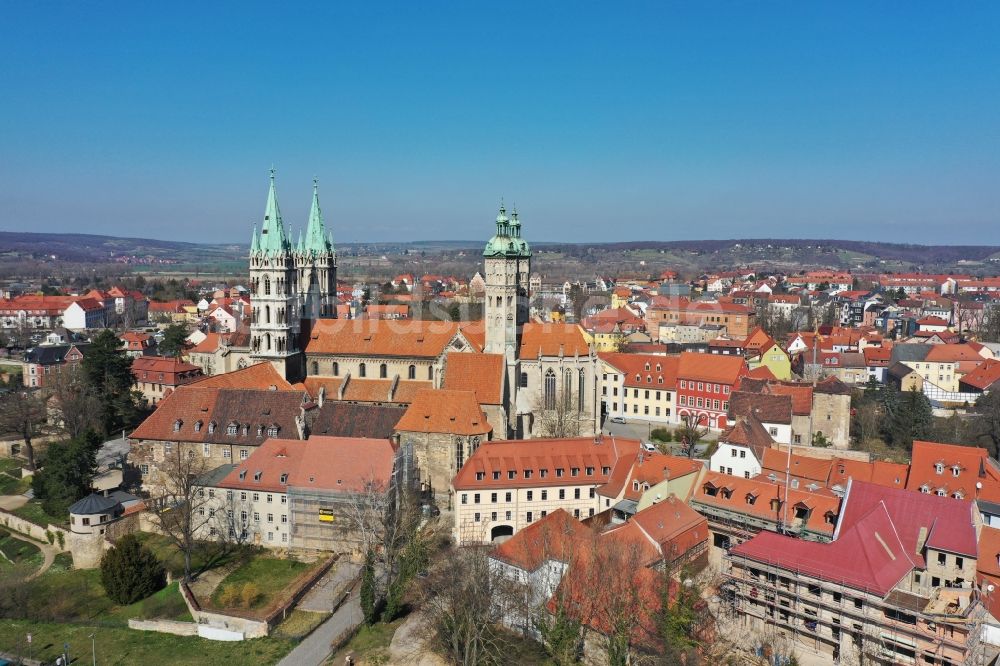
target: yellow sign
<point>326,515</point>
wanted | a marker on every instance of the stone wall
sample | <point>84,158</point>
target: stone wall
<point>36,532</point>
<point>831,416</point>
<point>165,627</point>
<point>436,456</point>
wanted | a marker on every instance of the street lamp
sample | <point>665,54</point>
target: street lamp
<point>93,647</point>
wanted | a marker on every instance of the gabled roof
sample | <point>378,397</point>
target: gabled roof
<point>445,411</point>
<point>766,407</point>
<point>867,556</point>
<point>881,472</point>
<point>346,419</point>
<point>711,367</point>
<point>645,370</point>
<point>552,340</point>
<point>260,376</point>
<point>800,467</point>
<point>983,377</point>
<point>972,464</point>
<point>483,374</point>
<point>384,337</point>
<point>947,523</point>
<point>650,468</point>
<point>750,433</point>
<point>557,537</point>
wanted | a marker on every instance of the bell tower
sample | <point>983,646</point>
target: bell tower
<point>274,318</point>
<point>316,263</point>
<point>507,259</point>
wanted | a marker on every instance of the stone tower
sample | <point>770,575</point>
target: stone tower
<point>316,263</point>
<point>275,318</point>
<point>508,264</point>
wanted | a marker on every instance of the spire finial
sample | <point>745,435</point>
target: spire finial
<point>272,172</point>
<point>315,183</point>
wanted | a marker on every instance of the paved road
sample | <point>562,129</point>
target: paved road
<point>330,587</point>
<point>48,552</point>
<point>314,650</point>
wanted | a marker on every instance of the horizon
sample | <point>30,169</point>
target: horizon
<point>665,123</point>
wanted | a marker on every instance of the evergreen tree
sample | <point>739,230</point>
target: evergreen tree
<point>908,416</point>
<point>174,340</point>
<point>108,372</point>
<point>367,593</point>
<point>130,571</point>
<point>67,474</point>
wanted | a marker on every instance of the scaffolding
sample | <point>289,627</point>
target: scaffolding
<point>794,601</point>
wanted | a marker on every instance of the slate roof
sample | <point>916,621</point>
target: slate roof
<point>93,504</point>
<point>767,408</point>
<point>345,419</point>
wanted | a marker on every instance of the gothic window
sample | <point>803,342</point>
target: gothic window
<point>550,389</point>
<point>411,372</point>
<point>267,285</point>
<point>267,341</point>
<point>580,394</point>
<point>430,373</point>
<point>315,367</point>
<point>361,370</point>
<point>459,453</point>
<point>568,389</point>
<point>267,314</point>
<point>383,371</point>
<point>336,369</point>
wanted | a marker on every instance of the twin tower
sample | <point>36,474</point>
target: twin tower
<point>289,283</point>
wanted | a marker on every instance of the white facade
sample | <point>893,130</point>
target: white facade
<point>735,460</point>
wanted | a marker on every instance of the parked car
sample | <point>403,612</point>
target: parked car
<point>618,419</point>
<point>649,446</point>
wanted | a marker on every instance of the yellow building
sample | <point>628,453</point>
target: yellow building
<point>774,358</point>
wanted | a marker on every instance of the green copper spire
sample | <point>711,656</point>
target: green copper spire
<point>317,239</point>
<point>254,241</point>
<point>273,239</point>
<point>507,241</point>
<point>298,246</point>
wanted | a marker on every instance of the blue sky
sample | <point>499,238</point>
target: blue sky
<point>602,121</point>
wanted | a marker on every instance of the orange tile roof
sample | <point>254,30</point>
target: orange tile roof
<point>972,463</point>
<point>547,339</point>
<point>652,468</point>
<point>557,536</point>
<point>330,464</point>
<point>645,370</point>
<point>445,411</point>
<point>984,376</point>
<point>162,364</point>
<point>384,337</point>
<point>801,467</point>
<point>673,526</point>
<point>764,492</point>
<point>483,374</point>
<point>504,456</point>
<point>883,473</point>
<point>365,389</point>
<point>711,367</point>
<point>207,346</point>
<point>262,376</point>
<point>953,354</point>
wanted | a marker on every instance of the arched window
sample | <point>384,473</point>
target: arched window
<point>267,285</point>
<point>315,367</point>
<point>211,427</point>
<point>550,389</point>
<point>581,392</point>
<point>411,372</point>
<point>430,373</point>
<point>361,370</point>
<point>336,369</point>
<point>267,341</point>
<point>568,389</point>
<point>383,371</point>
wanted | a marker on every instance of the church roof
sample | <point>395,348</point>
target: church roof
<point>273,239</point>
<point>507,241</point>
<point>316,241</point>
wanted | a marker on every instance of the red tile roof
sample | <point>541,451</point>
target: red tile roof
<point>383,337</point>
<point>983,377</point>
<point>645,370</point>
<point>504,456</point>
<point>547,339</point>
<point>881,472</point>
<point>445,411</point>
<point>557,536</point>
<point>483,374</point>
<point>668,529</point>
<point>261,376</point>
<point>804,468</point>
<point>652,468</point>
<point>711,367</point>
<point>972,464</point>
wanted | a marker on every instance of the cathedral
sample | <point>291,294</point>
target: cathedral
<point>532,378</point>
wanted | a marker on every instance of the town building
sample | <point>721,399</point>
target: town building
<point>705,383</point>
<point>157,376</point>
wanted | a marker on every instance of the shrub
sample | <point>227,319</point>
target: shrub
<point>249,595</point>
<point>61,538</point>
<point>229,596</point>
<point>130,571</point>
<point>50,536</point>
<point>662,434</point>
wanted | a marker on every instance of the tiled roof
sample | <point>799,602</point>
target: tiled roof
<point>645,370</point>
<point>330,464</point>
<point>952,354</point>
<point>762,372</point>
<point>651,468</point>
<point>972,464</point>
<point>673,526</point>
<point>445,411</point>
<point>557,536</point>
<point>408,338</point>
<point>768,498</point>
<point>346,419</point>
<point>505,456</point>
<point>261,376</point>
<point>552,340</point>
<point>983,377</point>
<point>801,467</point>
<point>207,346</point>
<point>366,389</point>
<point>881,472</point>
<point>711,367</point>
<point>482,374</point>
<point>162,364</point>
<point>750,433</point>
<point>191,404</point>
<point>768,408</point>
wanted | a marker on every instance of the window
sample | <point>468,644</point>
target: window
<point>576,493</point>
<point>528,517</point>
<point>177,425</point>
<point>460,454</point>
<point>942,559</point>
<point>575,471</point>
<point>590,471</point>
<point>493,516</point>
<point>545,495</point>
<point>361,370</point>
<point>476,516</point>
<point>562,493</point>
<point>383,371</point>
<point>559,472</point>
<point>411,372</point>
<point>144,469</point>
<point>524,380</point>
<point>475,498</point>
<point>336,369</point>
<point>206,450</point>
<point>496,476</point>
<point>465,498</point>
<point>506,496</point>
<point>493,498</point>
<point>959,562</point>
<point>527,473</point>
<point>529,496</point>
<point>550,389</point>
<point>511,473</point>
<point>939,468</point>
<point>244,454</point>
<point>543,472</point>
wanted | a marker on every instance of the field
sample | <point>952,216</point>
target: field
<point>11,482</point>
<point>271,576</point>
<point>14,551</point>
<point>208,556</point>
<point>34,513</point>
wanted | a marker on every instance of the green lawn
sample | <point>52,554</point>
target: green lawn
<point>271,575</point>
<point>16,551</point>
<point>208,555</point>
<point>78,596</point>
<point>11,482</point>
<point>34,513</point>
<point>125,647</point>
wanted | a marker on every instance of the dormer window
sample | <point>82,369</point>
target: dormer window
<point>243,475</point>
<point>775,504</point>
<point>830,518</point>
<point>246,430</point>
<point>659,380</point>
<point>751,499</point>
<point>647,366</point>
<point>939,468</point>
<point>925,489</point>
<point>726,493</point>
<point>211,427</point>
<point>658,369</point>
<point>272,431</point>
<point>480,476</point>
<point>197,426</point>
<point>958,494</point>
<point>232,429</point>
<point>177,425</point>
<point>284,478</point>
<point>638,378</point>
<point>257,475</point>
<point>941,492</point>
<point>956,470</point>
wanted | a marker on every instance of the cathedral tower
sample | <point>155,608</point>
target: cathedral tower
<point>316,263</point>
<point>274,323</point>
<point>508,264</point>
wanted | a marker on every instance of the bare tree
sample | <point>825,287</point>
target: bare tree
<point>690,432</point>
<point>22,412</point>
<point>560,416</point>
<point>75,407</point>
<point>180,511</point>
<point>464,598</point>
